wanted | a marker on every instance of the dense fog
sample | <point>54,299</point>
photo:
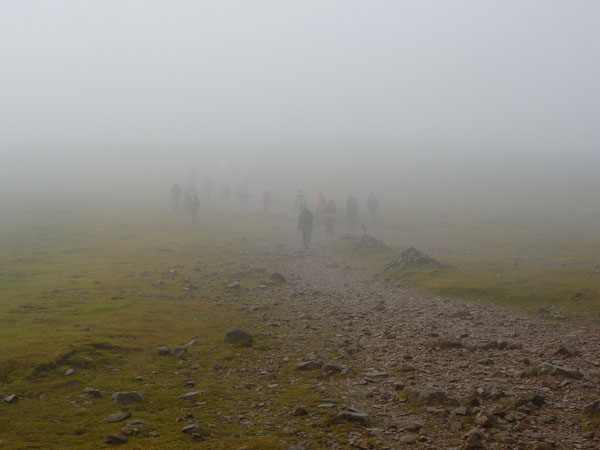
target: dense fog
<point>437,103</point>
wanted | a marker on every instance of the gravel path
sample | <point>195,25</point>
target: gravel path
<point>396,341</point>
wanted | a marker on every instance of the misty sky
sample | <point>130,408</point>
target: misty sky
<point>126,82</point>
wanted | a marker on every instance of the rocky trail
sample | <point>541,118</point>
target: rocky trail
<point>424,372</point>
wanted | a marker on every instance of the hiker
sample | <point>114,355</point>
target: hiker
<point>176,196</point>
<point>266,201</point>
<point>351,211</point>
<point>329,214</point>
<point>305,224</point>
<point>319,207</point>
<point>372,205</point>
<point>186,195</point>
<point>193,205</point>
<point>300,202</point>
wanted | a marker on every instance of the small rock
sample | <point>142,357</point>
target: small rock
<point>375,374</point>
<point>12,398</point>
<point>408,440</point>
<point>278,278</point>
<point>192,394</point>
<point>137,423</point>
<point>413,427</point>
<point>239,337</point>
<point>125,398</point>
<point>234,285</point>
<point>348,414</point>
<point>547,368</point>
<point>89,392</point>
<point>180,351</point>
<point>309,365</point>
<point>69,372</point>
<point>163,351</point>
<point>567,351</point>
<point>118,416</point>
<point>335,368</point>
<point>593,408</point>
<point>291,431</point>
<point>192,429</point>
<point>426,395</point>
<point>485,419</point>
<point>116,439</point>
<point>300,410</point>
<point>473,441</point>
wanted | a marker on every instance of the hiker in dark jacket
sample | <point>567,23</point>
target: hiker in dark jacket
<point>305,224</point>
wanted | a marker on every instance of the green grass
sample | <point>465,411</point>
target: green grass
<point>97,270</point>
<point>523,260</point>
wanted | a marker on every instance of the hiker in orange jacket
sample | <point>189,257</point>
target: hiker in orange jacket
<point>320,204</point>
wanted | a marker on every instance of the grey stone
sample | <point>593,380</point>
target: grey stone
<point>180,351</point>
<point>309,365</point>
<point>239,337</point>
<point>192,429</point>
<point>426,395</point>
<point>335,368</point>
<point>547,368</point>
<point>192,394</point>
<point>349,414</point>
<point>12,398</point>
<point>118,416</point>
<point>125,398</point>
<point>137,423</point>
<point>567,351</point>
<point>278,278</point>
<point>592,408</point>
<point>116,439</point>
<point>163,351</point>
<point>300,410</point>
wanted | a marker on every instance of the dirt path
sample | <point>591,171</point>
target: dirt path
<point>395,341</point>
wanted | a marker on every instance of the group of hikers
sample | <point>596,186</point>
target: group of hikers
<point>325,210</point>
<point>191,202</point>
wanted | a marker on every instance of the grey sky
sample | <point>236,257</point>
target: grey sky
<point>90,80</point>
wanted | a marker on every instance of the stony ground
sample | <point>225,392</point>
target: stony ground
<point>399,343</point>
<point>342,357</point>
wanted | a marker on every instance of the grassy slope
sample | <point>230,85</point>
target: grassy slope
<point>81,269</point>
<point>524,260</point>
